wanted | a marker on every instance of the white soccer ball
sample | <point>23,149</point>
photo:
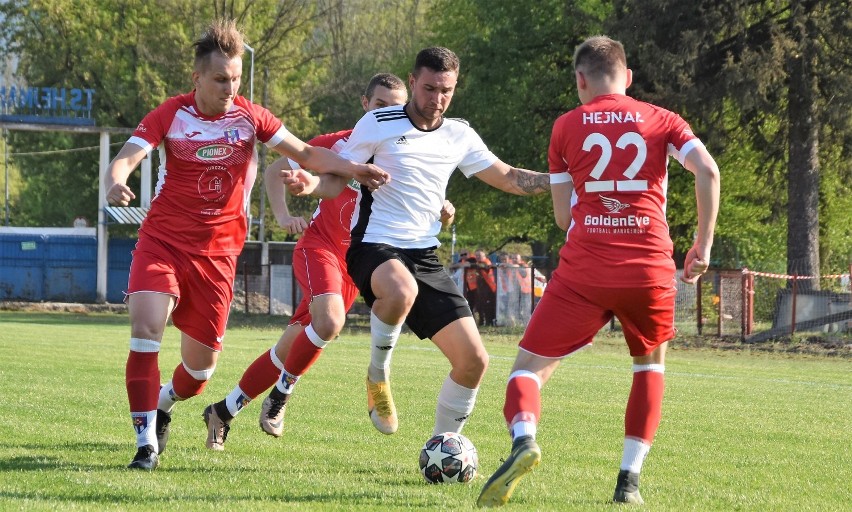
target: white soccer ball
<point>448,458</point>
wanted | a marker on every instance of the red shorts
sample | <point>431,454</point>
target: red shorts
<point>320,272</point>
<point>203,286</point>
<point>570,314</point>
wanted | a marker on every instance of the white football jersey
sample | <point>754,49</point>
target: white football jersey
<point>406,213</point>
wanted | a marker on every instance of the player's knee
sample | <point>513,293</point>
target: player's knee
<point>146,332</point>
<point>329,326</point>
<point>473,366</point>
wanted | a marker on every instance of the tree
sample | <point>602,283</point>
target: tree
<point>516,79</point>
<point>767,76</point>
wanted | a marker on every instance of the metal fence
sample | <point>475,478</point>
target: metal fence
<point>752,306</point>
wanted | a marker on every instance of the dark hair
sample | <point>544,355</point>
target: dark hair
<point>599,56</point>
<point>436,58</point>
<point>388,80</point>
<point>221,35</point>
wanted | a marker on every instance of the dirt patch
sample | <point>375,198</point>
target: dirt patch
<point>62,307</point>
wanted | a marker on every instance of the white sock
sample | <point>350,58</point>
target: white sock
<point>383,340</point>
<point>168,398</point>
<point>144,423</point>
<point>524,428</point>
<point>236,400</point>
<point>634,455</point>
<point>455,403</point>
<point>286,382</point>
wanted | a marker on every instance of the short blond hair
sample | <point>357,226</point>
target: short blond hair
<point>222,35</point>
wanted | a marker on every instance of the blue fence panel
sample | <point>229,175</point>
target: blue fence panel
<point>70,270</point>
<point>120,253</point>
<point>61,268</point>
<point>22,267</point>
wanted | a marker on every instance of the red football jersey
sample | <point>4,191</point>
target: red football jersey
<point>330,223</point>
<point>616,151</point>
<point>208,166</point>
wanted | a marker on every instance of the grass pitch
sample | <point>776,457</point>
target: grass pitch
<point>740,431</point>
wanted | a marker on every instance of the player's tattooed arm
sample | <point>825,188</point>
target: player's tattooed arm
<point>513,180</point>
<point>531,182</point>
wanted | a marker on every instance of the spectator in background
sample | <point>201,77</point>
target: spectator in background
<point>525,288</point>
<point>465,277</point>
<point>507,291</point>
<point>486,288</point>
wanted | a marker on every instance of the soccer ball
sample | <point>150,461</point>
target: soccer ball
<point>448,458</point>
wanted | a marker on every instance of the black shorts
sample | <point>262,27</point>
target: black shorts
<point>439,301</point>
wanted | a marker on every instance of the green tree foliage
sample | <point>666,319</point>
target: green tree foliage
<point>766,83</point>
<point>516,79</point>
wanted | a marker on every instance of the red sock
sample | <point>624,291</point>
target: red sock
<point>142,378</point>
<point>302,354</point>
<point>644,407</point>
<point>185,385</point>
<point>523,400</point>
<point>259,376</point>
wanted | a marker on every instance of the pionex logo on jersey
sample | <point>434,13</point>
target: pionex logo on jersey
<point>214,152</point>
<point>613,207</point>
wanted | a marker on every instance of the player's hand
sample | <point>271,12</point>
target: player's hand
<point>695,265</point>
<point>371,176</point>
<point>447,213</point>
<point>299,182</point>
<point>119,195</point>
<point>293,225</point>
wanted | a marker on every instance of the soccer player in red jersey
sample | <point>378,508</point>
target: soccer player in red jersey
<point>608,167</point>
<point>184,262</point>
<point>319,263</point>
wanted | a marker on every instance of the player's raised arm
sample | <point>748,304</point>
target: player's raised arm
<point>322,160</point>
<point>707,183</point>
<point>277,192</point>
<point>115,182</point>
<point>513,180</point>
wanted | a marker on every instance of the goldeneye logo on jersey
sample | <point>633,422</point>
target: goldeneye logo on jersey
<point>191,134</point>
<point>232,135</point>
<point>613,205</point>
<point>214,152</point>
<point>402,140</point>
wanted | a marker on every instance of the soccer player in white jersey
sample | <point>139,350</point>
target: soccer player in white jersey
<point>392,258</point>
<point>608,163</point>
<point>319,264</point>
<point>184,263</point>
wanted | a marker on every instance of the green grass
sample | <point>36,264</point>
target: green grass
<point>740,430</point>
